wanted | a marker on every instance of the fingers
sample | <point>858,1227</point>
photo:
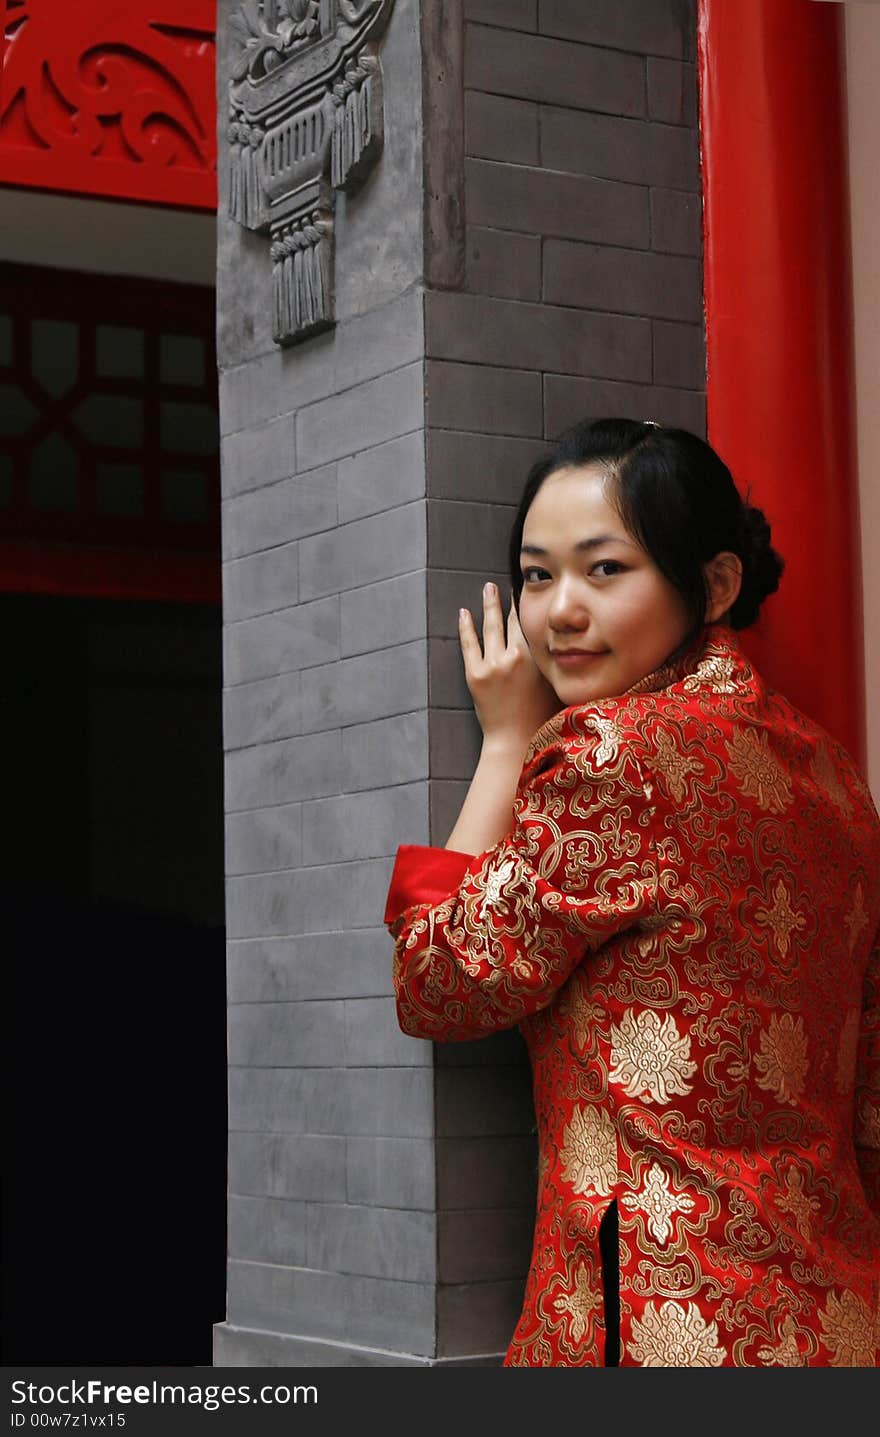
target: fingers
<point>494,642</point>
<point>493,622</point>
<point>470,644</point>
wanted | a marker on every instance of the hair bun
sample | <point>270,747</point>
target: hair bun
<point>762,567</point>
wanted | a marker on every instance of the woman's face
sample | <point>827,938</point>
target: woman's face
<point>595,610</point>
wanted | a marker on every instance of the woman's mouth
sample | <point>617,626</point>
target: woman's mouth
<point>573,658</point>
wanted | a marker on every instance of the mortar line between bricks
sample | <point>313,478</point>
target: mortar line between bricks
<point>340,863</point>
<point>336,593</point>
<point>562,373</point>
<point>577,309</point>
<point>318,798</point>
<point>368,1207</point>
<point>378,1067</point>
<point>412,288</point>
<point>571,174</point>
<point>307,868</point>
<point>332,727</point>
<point>598,47</point>
<point>319,599</point>
<point>327,933</point>
<point>335,1272</point>
<point>484,433</point>
<point>323,399</point>
<point>497,224</point>
<point>561,239</point>
<point>518,1138</point>
<point>299,803</point>
<point>316,468</point>
<point>504,1136</point>
<point>365,1207</point>
<point>645,118</point>
<point>316,733</point>
<point>385,1206</point>
<point>360,383</point>
<point>304,603</point>
<point>324,664</point>
<point>317,533</point>
<point>365,928</point>
<point>413,1359</point>
<point>503,29</point>
<point>631,383</point>
<point>555,107</point>
<point>354,1068</point>
<point>294,1002</point>
<point>577,175</point>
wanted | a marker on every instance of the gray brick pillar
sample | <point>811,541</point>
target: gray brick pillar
<point>528,254</point>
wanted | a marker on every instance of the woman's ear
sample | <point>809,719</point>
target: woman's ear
<point>723,583</point>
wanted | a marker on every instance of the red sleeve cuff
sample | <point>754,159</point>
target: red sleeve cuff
<point>423,875</point>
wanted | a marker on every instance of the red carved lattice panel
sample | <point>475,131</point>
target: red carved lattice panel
<point>109,437</point>
<point>110,99</point>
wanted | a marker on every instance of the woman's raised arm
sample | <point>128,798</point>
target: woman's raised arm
<point>512,700</point>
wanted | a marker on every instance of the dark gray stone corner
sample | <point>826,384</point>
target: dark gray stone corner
<point>245,1347</point>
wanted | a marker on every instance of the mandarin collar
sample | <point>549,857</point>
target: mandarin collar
<point>712,654</point>
<point>711,641</point>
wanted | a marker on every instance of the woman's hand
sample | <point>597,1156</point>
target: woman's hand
<point>511,696</point>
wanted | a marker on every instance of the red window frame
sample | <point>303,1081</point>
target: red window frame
<point>87,551</point>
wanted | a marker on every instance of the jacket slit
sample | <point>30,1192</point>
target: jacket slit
<point>609,1252</point>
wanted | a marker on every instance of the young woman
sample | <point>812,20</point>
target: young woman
<point>673,888</point>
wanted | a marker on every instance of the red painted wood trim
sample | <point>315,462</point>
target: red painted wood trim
<point>778,297</point>
<point>108,573</point>
<point>113,100</point>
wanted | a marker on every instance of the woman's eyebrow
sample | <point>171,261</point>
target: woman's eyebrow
<point>582,544</point>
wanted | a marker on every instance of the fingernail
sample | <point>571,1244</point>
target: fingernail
<point>461,614</point>
<point>489,590</point>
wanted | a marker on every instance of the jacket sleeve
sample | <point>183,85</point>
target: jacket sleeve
<point>577,868</point>
<point>867,1096</point>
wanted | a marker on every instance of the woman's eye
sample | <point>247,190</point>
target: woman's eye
<point>606,568</point>
<point>534,575</point>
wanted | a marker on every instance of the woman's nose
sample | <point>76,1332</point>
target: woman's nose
<point>568,607</point>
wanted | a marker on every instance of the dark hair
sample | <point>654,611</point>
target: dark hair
<point>677,499</point>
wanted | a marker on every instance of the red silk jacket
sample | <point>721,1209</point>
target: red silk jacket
<point>683,921</point>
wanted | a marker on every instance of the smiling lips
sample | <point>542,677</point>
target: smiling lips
<point>574,656</point>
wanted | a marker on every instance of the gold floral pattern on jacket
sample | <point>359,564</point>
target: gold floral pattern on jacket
<point>675,1334</point>
<point>781,918</point>
<point>796,1201</point>
<point>683,921</point>
<point>579,1304</point>
<point>782,1062</point>
<point>758,771</point>
<point>650,1058</point>
<point>848,1329</point>
<point>589,1151</point>
<point>787,1351</point>
<point>659,1202</point>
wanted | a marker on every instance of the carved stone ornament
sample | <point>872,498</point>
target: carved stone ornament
<point>305,120</point>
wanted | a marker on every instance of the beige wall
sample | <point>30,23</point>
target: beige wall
<point>863,95</point>
<point>107,236</point>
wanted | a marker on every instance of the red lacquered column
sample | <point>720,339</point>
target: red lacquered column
<point>778,295</point>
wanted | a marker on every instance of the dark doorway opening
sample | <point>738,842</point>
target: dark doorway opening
<point>113,938</point>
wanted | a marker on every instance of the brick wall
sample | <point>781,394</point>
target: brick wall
<point>332,1227</point>
<point>581,296</point>
<point>381,1190</point>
